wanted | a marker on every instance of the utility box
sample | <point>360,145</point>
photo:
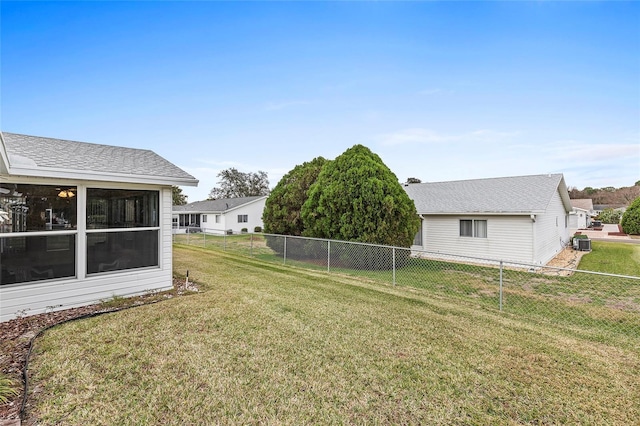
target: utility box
<point>584,244</point>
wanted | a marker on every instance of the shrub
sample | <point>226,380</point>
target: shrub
<point>244,230</point>
<point>610,216</point>
<point>357,198</point>
<point>282,209</point>
<point>631,218</point>
<point>257,229</point>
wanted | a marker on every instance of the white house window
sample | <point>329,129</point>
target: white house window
<point>217,218</point>
<point>38,231</point>
<point>473,228</point>
<point>126,233</point>
<point>243,218</point>
<point>204,218</point>
<point>417,239</point>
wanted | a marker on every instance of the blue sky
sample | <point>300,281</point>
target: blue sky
<point>440,90</point>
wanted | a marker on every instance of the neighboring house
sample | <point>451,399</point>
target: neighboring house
<point>582,211</point>
<point>227,215</point>
<point>518,219</point>
<point>81,222</point>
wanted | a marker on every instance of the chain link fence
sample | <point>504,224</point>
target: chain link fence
<point>595,305</point>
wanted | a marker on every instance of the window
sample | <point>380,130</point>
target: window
<point>49,213</point>
<point>473,228</point>
<point>217,218</point>
<point>204,218</point>
<point>243,218</point>
<point>33,208</point>
<point>417,239</point>
<point>132,220</point>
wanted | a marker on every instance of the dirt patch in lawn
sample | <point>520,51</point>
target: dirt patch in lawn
<point>568,258</point>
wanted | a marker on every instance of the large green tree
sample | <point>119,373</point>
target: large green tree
<point>234,183</point>
<point>282,211</point>
<point>179,199</point>
<point>357,198</point>
<point>631,218</point>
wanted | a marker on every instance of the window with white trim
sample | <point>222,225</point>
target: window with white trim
<point>122,229</point>
<point>243,218</point>
<point>473,228</point>
<point>204,218</point>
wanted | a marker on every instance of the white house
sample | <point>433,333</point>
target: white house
<point>519,219</point>
<point>227,215</point>
<point>81,222</point>
<point>582,211</point>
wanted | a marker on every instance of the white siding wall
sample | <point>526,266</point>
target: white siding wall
<point>229,220</point>
<point>551,231</point>
<point>42,296</point>
<point>508,238</point>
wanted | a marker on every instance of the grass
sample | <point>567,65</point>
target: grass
<point>612,258</point>
<point>267,343</point>
<point>7,389</point>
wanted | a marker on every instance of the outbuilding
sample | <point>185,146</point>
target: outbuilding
<point>82,222</point>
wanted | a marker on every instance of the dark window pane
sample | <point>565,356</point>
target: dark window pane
<point>115,251</point>
<point>25,259</point>
<point>466,228</point>
<point>25,208</point>
<point>121,208</point>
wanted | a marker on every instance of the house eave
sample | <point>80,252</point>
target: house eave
<point>55,173</point>
<point>482,213</point>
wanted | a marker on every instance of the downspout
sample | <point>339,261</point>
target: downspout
<point>533,238</point>
<point>423,220</point>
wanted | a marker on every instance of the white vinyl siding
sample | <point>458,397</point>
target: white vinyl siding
<point>508,238</point>
<point>551,234</point>
<point>252,212</point>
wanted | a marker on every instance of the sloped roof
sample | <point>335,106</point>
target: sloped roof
<point>506,195</point>
<point>216,206</point>
<point>582,203</point>
<point>48,157</point>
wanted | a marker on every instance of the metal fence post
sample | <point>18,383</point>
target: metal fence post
<point>204,239</point>
<point>328,256</point>
<point>251,249</point>
<point>501,286</point>
<point>393,254</point>
<point>284,255</point>
<point>224,241</point>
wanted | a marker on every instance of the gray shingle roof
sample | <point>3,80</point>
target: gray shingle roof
<point>517,194</point>
<point>582,203</point>
<point>215,206</point>
<point>33,152</point>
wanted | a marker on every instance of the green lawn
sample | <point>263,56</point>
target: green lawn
<point>272,344</point>
<point>612,258</point>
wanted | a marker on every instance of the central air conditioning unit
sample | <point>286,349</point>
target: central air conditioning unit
<point>584,244</point>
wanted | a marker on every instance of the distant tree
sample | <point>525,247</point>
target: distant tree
<point>235,183</point>
<point>631,218</point>
<point>589,190</point>
<point>179,199</point>
<point>357,198</point>
<point>610,216</point>
<point>413,180</point>
<point>637,183</point>
<point>282,211</point>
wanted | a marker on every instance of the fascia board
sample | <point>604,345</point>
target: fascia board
<point>521,213</point>
<point>101,176</point>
